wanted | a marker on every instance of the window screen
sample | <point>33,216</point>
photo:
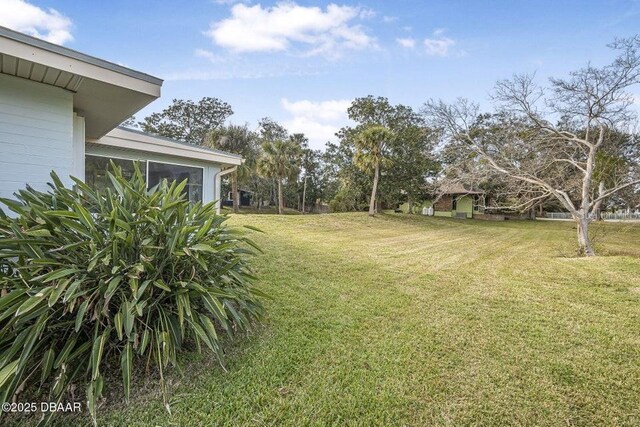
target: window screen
<point>171,172</point>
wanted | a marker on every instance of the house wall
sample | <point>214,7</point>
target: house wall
<point>443,204</point>
<point>464,204</point>
<point>36,134</point>
<point>210,192</point>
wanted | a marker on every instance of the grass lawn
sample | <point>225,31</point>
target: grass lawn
<point>407,320</point>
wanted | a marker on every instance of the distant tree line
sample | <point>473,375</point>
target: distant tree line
<point>570,145</point>
<point>384,160</point>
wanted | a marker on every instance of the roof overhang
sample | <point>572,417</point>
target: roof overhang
<point>105,94</point>
<point>139,141</point>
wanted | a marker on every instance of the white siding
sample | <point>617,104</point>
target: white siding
<point>209,191</point>
<point>36,134</point>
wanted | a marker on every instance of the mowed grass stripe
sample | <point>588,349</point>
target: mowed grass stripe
<point>401,320</point>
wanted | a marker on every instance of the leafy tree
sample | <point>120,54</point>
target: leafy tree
<point>409,149</point>
<point>280,160</point>
<point>411,153</point>
<point>308,187</point>
<point>312,185</point>
<point>188,121</point>
<point>298,189</point>
<point>352,181</point>
<point>130,123</point>
<point>270,130</point>
<point>262,189</point>
<point>346,184</point>
<point>372,110</point>
<point>413,161</point>
<point>371,151</point>
<point>238,140</point>
<point>620,151</point>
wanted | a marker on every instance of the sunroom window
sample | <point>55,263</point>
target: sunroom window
<point>96,168</point>
<point>172,172</point>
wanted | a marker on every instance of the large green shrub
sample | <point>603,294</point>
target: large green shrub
<point>92,277</point>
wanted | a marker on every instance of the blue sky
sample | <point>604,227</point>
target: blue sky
<point>302,62</point>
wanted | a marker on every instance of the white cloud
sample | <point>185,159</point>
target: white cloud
<point>318,133</point>
<point>324,110</point>
<point>389,19</point>
<point>288,25</point>
<point>406,42</point>
<point>439,45</point>
<point>49,25</point>
<point>206,54</point>
<point>319,121</point>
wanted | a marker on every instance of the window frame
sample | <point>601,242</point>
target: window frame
<point>146,162</point>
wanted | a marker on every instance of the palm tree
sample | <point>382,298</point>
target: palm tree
<point>371,146</point>
<point>238,140</point>
<point>280,160</point>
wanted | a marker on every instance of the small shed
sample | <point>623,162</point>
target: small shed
<point>457,201</point>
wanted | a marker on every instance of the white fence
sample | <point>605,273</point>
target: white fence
<point>621,215</point>
<point>615,216</point>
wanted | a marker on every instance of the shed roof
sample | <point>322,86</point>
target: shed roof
<point>456,188</point>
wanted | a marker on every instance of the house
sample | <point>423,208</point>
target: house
<point>456,201</point>
<point>61,110</point>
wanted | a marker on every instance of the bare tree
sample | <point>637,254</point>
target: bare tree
<point>549,140</point>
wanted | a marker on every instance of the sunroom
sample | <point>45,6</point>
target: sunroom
<point>159,158</point>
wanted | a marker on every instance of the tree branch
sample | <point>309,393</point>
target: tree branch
<point>612,191</point>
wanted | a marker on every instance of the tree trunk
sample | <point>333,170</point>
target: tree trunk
<point>598,206</point>
<point>234,192</point>
<point>584,242</point>
<point>280,200</point>
<point>372,202</point>
<point>304,193</point>
<point>410,203</point>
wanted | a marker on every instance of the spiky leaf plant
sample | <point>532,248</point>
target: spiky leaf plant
<point>121,274</point>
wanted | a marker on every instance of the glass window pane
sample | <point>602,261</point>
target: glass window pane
<point>96,167</point>
<point>171,172</point>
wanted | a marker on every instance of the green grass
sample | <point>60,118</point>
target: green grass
<point>401,320</point>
